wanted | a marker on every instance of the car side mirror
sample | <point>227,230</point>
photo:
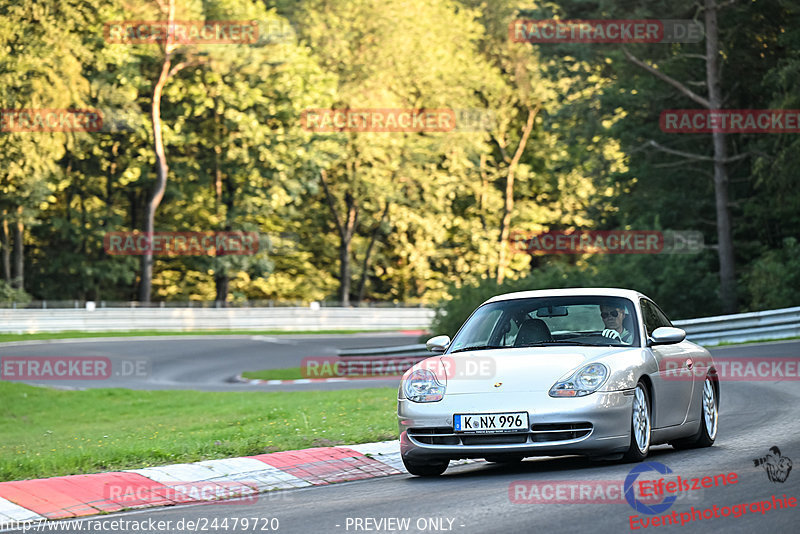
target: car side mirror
<point>438,344</point>
<point>666,335</point>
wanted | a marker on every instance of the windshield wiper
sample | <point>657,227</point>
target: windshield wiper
<point>479,347</point>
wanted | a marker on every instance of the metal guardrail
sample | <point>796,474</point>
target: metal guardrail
<point>402,351</point>
<point>289,319</point>
<point>753,326</point>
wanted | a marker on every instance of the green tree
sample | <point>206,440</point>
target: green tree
<point>386,56</point>
<point>40,68</point>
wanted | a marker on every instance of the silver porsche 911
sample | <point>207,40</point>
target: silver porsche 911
<point>595,372</point>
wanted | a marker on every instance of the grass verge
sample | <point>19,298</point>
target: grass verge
<point>292,373</point>
<point>47,432</point>
<point>73,334</point>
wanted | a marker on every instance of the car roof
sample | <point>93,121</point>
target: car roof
<point>571,292</point>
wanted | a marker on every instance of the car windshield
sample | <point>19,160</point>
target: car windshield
<point>550,321</point>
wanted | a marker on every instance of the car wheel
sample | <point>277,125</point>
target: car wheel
<point>709,418</point>
<point>430,469</point>
<point>640,425</point>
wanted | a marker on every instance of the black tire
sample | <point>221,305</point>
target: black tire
<point>704,437</point>
<point>429,469</point>
<point>641,412</point>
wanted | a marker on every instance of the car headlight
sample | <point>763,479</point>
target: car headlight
<point>422,386</point>
<point>584,381</point>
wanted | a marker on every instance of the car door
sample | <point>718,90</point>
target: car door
<point>673,395</point>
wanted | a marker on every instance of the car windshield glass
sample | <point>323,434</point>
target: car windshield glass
<point>550,321</point>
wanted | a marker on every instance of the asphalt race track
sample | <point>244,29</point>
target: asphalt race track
<point>479,498</point>
<point>207,363</point>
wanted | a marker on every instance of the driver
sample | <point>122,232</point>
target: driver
<point>613,318</point>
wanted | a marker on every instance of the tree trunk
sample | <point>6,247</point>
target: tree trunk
<point>161,182</point>
<point>110,179</point>
<point>346,229</point>
<point>222,282</point>
<point>344,248</point>
<point>344,271</point>
<point>727,274</point>
<point>5,243</point>
<point>18,280</point>
<point>221,277</point>
<point>505,224</point>
<point>508,203</point>
<point>482,193</point>
<point>362,285</point>
<point>161,158</point>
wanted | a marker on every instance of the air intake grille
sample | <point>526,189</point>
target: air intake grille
<point>559,431</point>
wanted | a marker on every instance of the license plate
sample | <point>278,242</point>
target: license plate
<point>491,422</point>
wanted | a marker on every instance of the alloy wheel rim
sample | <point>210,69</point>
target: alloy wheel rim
<point>641,420</point>
<point>710,413</point>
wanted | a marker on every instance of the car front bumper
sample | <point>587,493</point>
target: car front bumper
<point>595,425</point>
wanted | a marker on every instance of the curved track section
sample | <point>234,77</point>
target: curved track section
<point>206,363</point>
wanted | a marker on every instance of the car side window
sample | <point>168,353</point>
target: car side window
<point>653,316</point>
<point>662,318</point>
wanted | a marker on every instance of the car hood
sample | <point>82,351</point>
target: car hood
<point>518,369</point>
